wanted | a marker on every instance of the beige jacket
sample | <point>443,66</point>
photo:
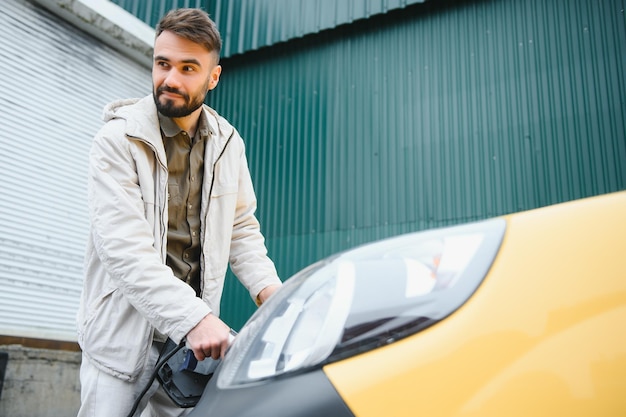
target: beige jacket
<point>128,290</point>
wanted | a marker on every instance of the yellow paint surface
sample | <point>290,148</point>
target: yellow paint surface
<point>544,335</point>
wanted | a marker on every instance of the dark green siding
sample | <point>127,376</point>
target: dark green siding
<point>252,24</point>
<point>435,116</point>
<point>151,11</point>
<point>431,115</point>
<point>247,25</point>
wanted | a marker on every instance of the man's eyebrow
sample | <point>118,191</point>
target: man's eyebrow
<point>184,61</point>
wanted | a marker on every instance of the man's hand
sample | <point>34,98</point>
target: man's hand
<point>210,338</point>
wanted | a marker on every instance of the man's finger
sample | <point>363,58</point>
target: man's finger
<point>199,354</point>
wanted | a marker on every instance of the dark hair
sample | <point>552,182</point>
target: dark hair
<point>194,25</point>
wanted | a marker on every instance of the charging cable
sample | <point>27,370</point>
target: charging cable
<point>153,376</point>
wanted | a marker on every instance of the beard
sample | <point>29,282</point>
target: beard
<point>169,109</point>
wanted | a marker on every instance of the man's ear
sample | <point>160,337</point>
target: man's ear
<point>214,76</point>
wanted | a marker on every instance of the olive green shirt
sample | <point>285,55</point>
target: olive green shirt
<point>185,164</point>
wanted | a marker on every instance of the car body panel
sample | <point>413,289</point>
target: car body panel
<point>543,335</point>
<point>307,394</point>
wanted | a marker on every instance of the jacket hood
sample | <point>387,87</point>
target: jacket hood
<point>116,108</point>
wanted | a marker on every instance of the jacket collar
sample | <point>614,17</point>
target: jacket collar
<point>142,122</point>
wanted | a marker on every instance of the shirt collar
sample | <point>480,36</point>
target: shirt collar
<point>171,129</point>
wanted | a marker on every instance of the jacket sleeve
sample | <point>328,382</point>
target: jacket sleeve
<point>248,254</point>
<point>119,207</point>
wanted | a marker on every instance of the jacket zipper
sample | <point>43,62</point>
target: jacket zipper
<point>203,267</point>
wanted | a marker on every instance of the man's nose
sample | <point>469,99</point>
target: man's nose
<point>173,79</point>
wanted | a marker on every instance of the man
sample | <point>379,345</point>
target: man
<point>171,204</point>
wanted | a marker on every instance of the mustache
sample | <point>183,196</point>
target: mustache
<point>165,88</point>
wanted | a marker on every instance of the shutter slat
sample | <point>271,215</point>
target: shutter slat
<point>56,80</point>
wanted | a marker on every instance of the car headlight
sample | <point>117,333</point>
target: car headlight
<point>361,299</point>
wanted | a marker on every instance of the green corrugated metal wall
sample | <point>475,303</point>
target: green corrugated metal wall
<point>439,114</point>
<point>251,24</point>
<point>247,25</point>
<point>432,117</point>
<point>151,11</point>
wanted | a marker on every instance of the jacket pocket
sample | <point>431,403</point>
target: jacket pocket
<point>220,190</point>
<point>116,337</point>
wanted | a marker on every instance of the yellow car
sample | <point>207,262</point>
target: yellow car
<point>521,315</point>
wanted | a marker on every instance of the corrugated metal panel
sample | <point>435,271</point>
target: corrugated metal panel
<point>450,114</point>
<point>55,82</point>
<point>247,25</point>
<point>151,11</point>
<point>251,24</point>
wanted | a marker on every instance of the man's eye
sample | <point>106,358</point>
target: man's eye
<point>188,68</point>
<point>162,64</point>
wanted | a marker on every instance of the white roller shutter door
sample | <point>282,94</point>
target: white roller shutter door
<point>54,82</point>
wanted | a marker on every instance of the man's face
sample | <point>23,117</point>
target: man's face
<point>182,74</point>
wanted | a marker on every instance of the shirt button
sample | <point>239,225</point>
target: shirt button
<point>190,206</point>
<point>193,179</point>
<point>186,255</point>
<point>193,234</point>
